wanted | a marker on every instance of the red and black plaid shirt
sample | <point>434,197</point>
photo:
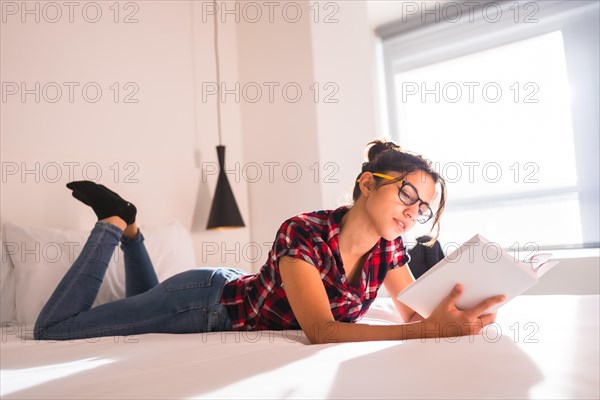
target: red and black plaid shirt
<point>258,302</point>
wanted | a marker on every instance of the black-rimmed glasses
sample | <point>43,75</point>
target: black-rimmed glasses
<point>409,195</point>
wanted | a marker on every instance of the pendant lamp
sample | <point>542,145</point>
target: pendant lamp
<point>224,211</point>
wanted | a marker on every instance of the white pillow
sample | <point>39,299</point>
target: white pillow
<point>7,287</point>
<point>382,311</point>
<point>42,256</point>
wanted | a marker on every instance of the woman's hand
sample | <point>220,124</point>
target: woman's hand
<point>416,317</point>
<point>448,320</point>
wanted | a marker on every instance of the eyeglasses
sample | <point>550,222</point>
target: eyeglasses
<point>409,195</point>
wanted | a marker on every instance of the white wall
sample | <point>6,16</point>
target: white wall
<point>157,135</point>
<point>343,57</point>
<point>322,140</point>
<point>280,137</point>
<point>168,55</point>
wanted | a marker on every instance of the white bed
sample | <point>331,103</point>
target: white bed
<point>541,346</point>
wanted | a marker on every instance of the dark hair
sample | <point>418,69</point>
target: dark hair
<point>387,156</point>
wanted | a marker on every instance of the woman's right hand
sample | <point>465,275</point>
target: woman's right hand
<point>448,320</point>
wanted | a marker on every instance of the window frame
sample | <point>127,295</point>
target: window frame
<point>405,45</point>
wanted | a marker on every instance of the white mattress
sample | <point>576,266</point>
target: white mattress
<point>541,347</point>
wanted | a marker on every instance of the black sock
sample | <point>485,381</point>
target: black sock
<point>103,201</point>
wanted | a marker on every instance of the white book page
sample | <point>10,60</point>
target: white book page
<point>537,260</point>
<point>481,267</point>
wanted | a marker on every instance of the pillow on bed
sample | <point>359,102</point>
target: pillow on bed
<point>42,256</point>
<point>7,287</point>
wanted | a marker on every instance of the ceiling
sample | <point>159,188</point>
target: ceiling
<point>381,12</point>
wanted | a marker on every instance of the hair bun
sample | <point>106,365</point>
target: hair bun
<point>379,146</point>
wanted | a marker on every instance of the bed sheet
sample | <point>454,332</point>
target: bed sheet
<point>539,347</point>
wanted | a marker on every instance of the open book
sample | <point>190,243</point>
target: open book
<point>484,270</point>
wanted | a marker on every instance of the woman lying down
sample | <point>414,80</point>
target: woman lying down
<point>321,275</point>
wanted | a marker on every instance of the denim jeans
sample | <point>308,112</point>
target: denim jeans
<point>187,302</point>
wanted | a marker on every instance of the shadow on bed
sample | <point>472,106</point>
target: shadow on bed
<point>465,367</point>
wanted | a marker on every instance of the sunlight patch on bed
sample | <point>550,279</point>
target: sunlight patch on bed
<point>290,380</point>
<point>15,380</point>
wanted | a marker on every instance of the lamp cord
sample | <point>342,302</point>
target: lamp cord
<point>218,71</point>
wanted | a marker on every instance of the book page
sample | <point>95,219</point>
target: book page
<point>537,260</point>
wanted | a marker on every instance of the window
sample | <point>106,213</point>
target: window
<point>494,106</point>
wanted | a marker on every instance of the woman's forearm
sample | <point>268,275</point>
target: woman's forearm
<point>339,332</point>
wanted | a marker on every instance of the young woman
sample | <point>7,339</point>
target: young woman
<point>322,273</point>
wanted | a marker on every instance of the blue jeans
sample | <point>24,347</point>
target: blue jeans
<point>187,302</point>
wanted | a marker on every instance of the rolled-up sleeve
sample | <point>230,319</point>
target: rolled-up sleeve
<point>400,256</point>
<point>294,239</point>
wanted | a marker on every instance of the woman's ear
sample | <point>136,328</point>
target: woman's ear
<point>367,183</point>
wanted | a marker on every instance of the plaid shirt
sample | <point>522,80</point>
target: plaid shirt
<point>259,302</point>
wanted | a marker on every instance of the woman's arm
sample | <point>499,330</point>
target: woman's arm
<point>308,299</point>
<point>396,281</point>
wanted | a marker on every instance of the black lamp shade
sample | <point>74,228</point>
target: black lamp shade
<point>224,212</point>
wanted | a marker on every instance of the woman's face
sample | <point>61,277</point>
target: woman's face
<point>389,215</point>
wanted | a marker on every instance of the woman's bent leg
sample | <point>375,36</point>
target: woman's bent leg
<point>188,302</point>
<point>139,272</point>
<point>78,289</point>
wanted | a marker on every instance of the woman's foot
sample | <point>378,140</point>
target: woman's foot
<point>103,201</point>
